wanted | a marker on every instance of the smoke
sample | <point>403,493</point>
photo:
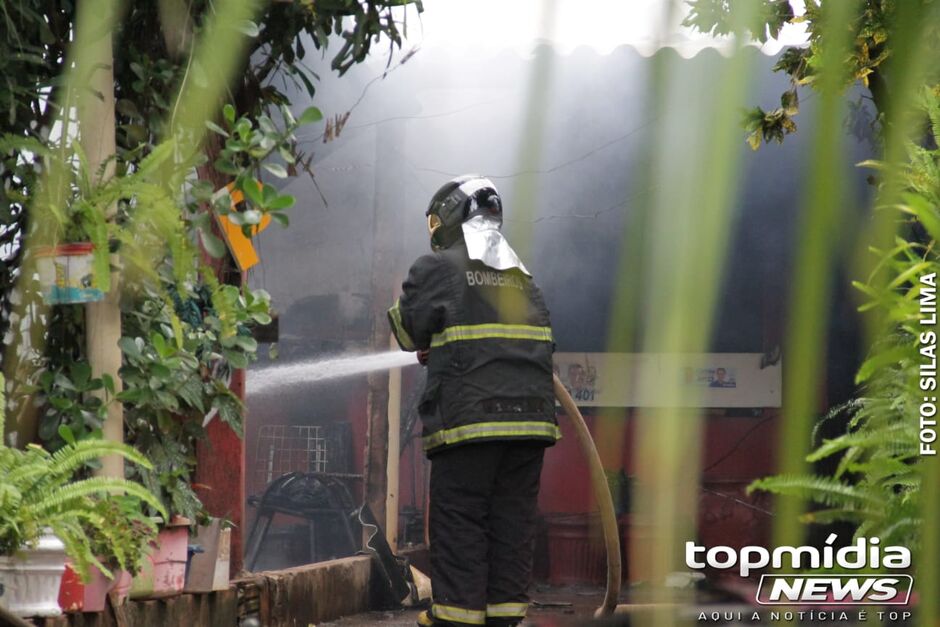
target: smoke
<point>443,114</point>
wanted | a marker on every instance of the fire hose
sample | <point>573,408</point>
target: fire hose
<point>605,502</point>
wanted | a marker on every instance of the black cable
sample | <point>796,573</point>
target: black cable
<point>736,445</point>
<point>738,501</point>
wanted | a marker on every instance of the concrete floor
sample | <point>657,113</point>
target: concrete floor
<point>552,607</point>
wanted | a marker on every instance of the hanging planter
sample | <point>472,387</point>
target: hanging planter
<point>30,579</point>
<point>68,273</point>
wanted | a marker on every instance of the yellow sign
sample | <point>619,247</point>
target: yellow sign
<point>240,246</point>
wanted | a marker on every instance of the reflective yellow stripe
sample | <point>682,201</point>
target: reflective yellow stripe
<point>531,428</point>
<point>394,315</point>
<point>458,614</point>
<point>464,332</point>
<point>507,610</point>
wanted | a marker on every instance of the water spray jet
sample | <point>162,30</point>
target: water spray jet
<point>280,377</point>
<point>276,378</point>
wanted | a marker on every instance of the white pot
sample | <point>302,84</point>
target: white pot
<point>29,580</point>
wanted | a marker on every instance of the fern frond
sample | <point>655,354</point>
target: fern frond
<point>901,531</point>
<point>823,490</point>
<point>78,548</point>
<point>827,516</point>
<point>863,439</point>
<point>95,485</point>
<point>72,457</point>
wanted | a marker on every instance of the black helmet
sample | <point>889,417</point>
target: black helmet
<point>457,201</point>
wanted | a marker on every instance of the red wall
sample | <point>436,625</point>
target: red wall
<point>735,451</point>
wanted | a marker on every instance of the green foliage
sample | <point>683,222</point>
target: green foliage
<point>179,354</point>
<point>153,60</point>
<point>71,412</point>
<point>877,482</point>
<point>124,538</point>
<point>38,492</point>
<point>249,146</point>
<point>714,17</point>
<point>866,65</point>
<point>184,332</point>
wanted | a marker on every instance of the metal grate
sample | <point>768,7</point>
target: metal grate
<point>285,448</point>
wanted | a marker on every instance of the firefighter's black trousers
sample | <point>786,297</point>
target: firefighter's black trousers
<point>482,526</point>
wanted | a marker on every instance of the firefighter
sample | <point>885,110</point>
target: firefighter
<point>478,322</point>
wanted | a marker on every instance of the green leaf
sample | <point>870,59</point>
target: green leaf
<point>159,343</point>
<point>276,169</point>
<point>127,108</point>
<point>62,404</point>
<point>64,383</point>
<point>212,244</point>
<point>252,189</point>
<point>129,347</point>
<point>235,358</point>
<point>230,412</point>
<point>108,382</point>
<point>285,201</point>
<point>881,360</point>
<point>160,372</point>
<point>192,392</point>
<point>226,166</point>
<point>309,116</point>
<point>228,112</point>
<point>269,193</point>
<point>81,374</point>
<point>790,102</point>
<point>66,434</point>
<point>237,217</point>
<point>286,154</point>
<point>251,217</point>
<point>249,28</point>
<point>131,395</point>
<point>246,343</point>
<point>215,128</point>
<point>48,425</point>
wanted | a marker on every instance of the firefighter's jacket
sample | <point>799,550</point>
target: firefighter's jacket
<point>490,341</point>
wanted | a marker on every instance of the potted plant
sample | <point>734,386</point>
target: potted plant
<point>44,513</point>
<point>121,544</point>
<point>67,273</point>
<point>163,572</point>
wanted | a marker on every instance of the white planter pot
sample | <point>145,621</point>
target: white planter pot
<point>30,579</point>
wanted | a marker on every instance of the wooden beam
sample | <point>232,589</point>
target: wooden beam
<point>103,318</point>
<point>388,197</point>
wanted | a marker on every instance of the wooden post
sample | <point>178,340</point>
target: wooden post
<point>394,447</point>
<point>220,457</point>
<point>386,238</point>
<point>103,318</point>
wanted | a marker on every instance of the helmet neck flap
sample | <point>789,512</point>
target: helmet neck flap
<point>470,208</point>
